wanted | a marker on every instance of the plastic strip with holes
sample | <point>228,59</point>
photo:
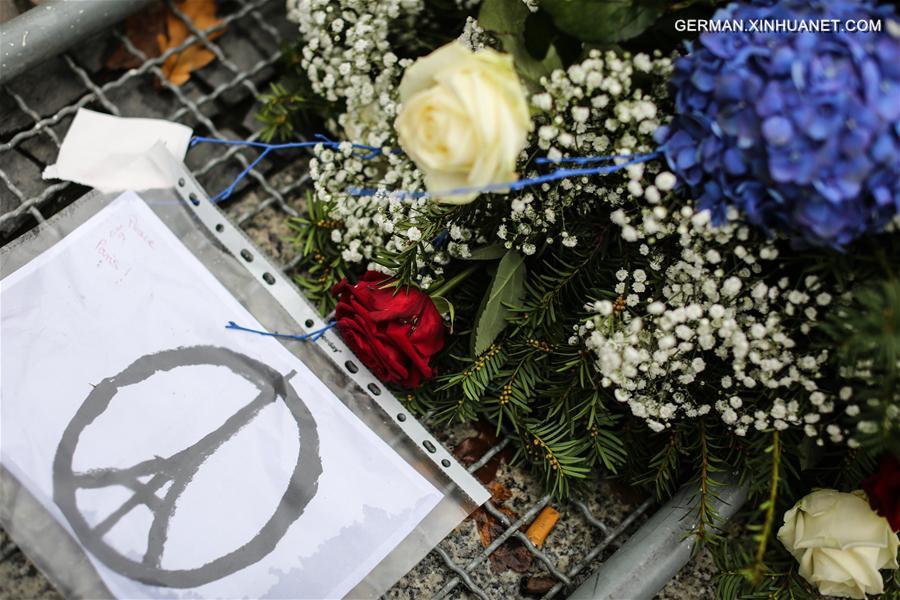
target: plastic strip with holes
<point>286,294</point>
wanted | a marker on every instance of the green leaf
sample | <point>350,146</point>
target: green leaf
<point>445,307</point>
<point>809,453</point>
<point>506,19</point>
<point>506,289</point>
<point>492,252</point>
<point>604,21</point>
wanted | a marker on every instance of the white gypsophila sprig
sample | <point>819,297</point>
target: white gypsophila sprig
<point>704,329</point>
<point>877,413</point>
<point>348,59</point>
<point>376,223</point>
<point>592,108</point>
<point>473,36</point>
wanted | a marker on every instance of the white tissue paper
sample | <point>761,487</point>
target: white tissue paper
<point>108,153</point>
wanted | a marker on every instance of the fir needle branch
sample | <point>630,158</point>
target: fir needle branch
<point>550,296</point>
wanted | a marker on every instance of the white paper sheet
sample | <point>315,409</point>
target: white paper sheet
<point>108,152</point>
<point>117,290</point>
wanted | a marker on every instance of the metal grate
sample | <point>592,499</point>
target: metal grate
<point>37,109</point>
<point>591,556</point>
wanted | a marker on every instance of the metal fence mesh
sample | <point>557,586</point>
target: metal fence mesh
<point>218,101</point>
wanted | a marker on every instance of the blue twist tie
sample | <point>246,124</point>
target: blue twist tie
<point>312,336</point>
<point>558,174</point>
<point>369,152</point>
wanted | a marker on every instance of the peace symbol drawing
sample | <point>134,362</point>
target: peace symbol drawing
<point>158,482</point>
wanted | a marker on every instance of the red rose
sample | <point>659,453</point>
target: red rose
<point>883,490</point>
<point>393,332</point>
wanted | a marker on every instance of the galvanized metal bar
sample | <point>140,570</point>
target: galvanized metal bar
<point>609,539</point>
<point>491,453</point>
<point>20,102</point>
<point>589,516</point>
<point>462,574</point>
<point>148,66</point>
<point>89,84</point>
<point>530,514</point>
<point>659,549</point>
<point>211,46</point>
<point>494,512</point>
<point>53,27</point>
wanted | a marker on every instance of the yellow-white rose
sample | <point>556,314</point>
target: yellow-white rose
<point>840,542</point>
<point>463,119</point>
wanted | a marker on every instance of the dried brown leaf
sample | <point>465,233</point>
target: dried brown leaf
<point>512,556</point>
<point>202,15</point>
<point>473,448</point>
<point>141,29</point>
<point>158,29</point>
<point>537,585</point>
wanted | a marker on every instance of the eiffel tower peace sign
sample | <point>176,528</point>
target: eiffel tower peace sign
<point>146,479</point>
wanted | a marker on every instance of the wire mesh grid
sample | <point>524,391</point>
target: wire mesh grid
<point>218,101</point>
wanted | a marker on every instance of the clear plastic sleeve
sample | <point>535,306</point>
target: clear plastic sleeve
<point>57,546</point>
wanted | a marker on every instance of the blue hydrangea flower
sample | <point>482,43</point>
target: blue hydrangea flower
<point>799,131</point>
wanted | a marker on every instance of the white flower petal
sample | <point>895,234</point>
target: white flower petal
<point>840,543</point>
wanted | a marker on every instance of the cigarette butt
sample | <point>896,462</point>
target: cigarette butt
<point>540,528</point>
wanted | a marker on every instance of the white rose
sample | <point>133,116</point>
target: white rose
<point>840,543</point>
<point>463,119</point>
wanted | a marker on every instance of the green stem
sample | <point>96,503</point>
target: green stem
<point>453,282</point>
<point>702,507</point>
<point>765,534</point>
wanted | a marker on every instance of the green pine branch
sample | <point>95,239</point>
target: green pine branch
<point>560,456</point>
<point>321,265</point>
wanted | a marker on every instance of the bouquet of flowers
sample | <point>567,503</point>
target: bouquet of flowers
<point>640,251</point>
